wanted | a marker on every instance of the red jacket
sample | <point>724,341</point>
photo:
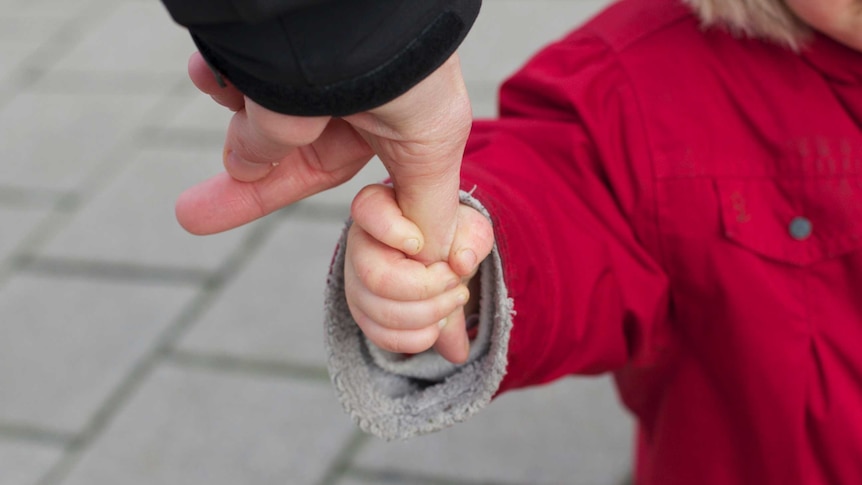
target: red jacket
<point>684,208</point>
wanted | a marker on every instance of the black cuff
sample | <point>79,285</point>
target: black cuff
<point>200,12</point>
<point>339,57</point>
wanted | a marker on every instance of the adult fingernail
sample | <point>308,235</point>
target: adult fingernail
<point>243,170</point>
<point>411,246</point>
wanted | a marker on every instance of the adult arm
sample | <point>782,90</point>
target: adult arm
<point>325,57</point>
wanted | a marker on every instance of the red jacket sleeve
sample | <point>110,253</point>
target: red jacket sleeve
<point>566,176</point>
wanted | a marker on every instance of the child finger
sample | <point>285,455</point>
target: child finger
<point>474,239</point>
<point>375,210</point>
<point>388,273</point>
<point>408,315</point>
<point>397,341</point>
<point>401,314</point>
<point>453,344</point>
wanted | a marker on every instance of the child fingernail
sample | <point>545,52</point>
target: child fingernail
<point>411,246</point>
<point>453,283</point>
<point>469,258</point>
<point>463,297</point>
<point>442,323</point>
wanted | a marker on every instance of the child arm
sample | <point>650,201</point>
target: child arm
<point>573,284</point>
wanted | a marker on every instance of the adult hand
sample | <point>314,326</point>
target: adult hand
<point>273,160</point>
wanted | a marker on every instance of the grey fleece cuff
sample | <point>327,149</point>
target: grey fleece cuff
<point>398,400</point>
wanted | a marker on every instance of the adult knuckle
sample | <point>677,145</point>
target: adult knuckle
<point>250,149</point>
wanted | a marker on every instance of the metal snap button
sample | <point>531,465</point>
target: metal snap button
<point>801,228</point>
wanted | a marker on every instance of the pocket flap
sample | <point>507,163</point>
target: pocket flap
<point>798,221</point>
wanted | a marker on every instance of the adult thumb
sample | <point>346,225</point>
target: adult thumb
<point>258,139</point>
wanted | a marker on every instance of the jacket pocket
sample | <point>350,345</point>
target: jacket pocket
<point>797,221</point>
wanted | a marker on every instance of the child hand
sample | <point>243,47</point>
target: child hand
<point>400,304</point>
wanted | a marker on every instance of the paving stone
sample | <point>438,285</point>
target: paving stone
<point>571,432</point>
<point>273,310</point>
<point>483,99</point>
<point>47,28</point>
<point>16,224</point>
<point>199,113</point>
<point>136,36</point>
<point>508,32</point>
<point>65,344</point>
<point>11,56</point>
<point>52,8</point>
<point>107,83</point>
<point>132,220</point>
<point>24,464</point>
<point>381,480</point>
<point>7,91</point>
<point>198,427</point>
<point>27,29</point>
<point>55,141</point>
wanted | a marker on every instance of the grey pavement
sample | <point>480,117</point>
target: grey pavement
<point>134,353</point>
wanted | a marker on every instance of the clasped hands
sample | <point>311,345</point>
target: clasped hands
<point>411,250</point>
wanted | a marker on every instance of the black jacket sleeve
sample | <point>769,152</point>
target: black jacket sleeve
<point>325,57</point>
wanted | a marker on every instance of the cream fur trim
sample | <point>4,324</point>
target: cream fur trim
<point>768,19</point>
